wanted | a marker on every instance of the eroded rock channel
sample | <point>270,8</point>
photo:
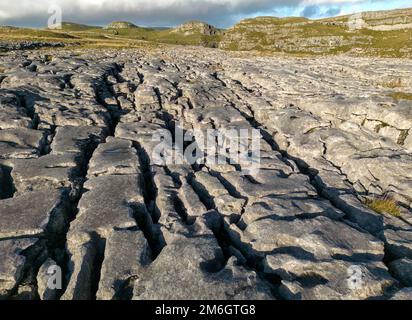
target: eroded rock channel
<point>80,189</point>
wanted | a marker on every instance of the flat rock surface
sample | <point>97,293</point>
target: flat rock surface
<point>12,262</point>
<point>87,182</point>
<point>30,213</point>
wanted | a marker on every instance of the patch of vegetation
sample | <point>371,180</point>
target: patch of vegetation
<point>385,206</point>
<point>273,21</point>
<point>317,29</point>
<point>313,130</point>
<point>402,137</point>
<point>392,83</point>
<point>397,96</point>
<point>381,126</point>
<point>48,58</point>
<point>70,26</point>
<point>30,34</point>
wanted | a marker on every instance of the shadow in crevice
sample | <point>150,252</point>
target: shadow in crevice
<point>7,187</point>
<point>148,216</point>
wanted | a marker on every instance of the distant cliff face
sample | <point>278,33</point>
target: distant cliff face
<point>197,27</point>
<point>388,31</point>
<point>388,20</point>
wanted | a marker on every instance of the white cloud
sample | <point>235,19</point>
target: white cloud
<point>148,12</point>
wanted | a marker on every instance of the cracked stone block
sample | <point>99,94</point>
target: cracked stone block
<point>194,207</point>
<point>402,270</point>
<point>311,279</point>
<point>83,251</point>
<point>209,185</point>
<point>49,171</point>
<point>354,209</point>
<point>390,132</point>
<point>286,207</point>
<point>20,217</point>
<point>44,81</point>
<point>137,131</point>
<point>84,113</point>
<point>21,143</point>
<point>398,243</point>
<point>70,139</point>
<point>126,256</point>
<point>116,156</point>
<point>228,205</point>
<point>165,205</point>
<point>12,262</point>
<point>298,186</point>
<point>145,96</point>
<point>192,269</point>
<point>12,113</point>
<point>109,202</point>
<point>320,236</point>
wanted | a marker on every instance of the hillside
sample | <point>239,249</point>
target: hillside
<point>382,33</point>
<point>71,26</point>
<point>120,25</point>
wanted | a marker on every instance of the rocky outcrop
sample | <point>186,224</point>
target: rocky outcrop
<point>197,27</point>
<point>120,25</point>
<point>388,20</point>
<point>28,45</point>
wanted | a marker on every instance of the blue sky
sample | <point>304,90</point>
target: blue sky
<point>222,13</point>
<point>345,7</point>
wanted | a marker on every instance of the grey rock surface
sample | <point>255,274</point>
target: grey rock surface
<point>404,294</point>
<point>81,185</point>
<point>47,280</point>
<point>127,254</point>
<point>402,269</point>
<point>32,214</point>
<point>12,263</point>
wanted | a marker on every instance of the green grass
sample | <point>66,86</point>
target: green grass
<point>70,26</point>
<point>169,37</point>
<point>402,137</point>
<point>385,206</point>
<point>317,29</point>
<point>397,96</point>
<point>273,21</point>
<point>25,33</point>
<point>48,58</point>
<point>381,126</point>
<point>91,36</point>
<point>392,83</point>
<point>391,44</point>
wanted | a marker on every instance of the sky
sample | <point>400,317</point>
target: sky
<point>168,13</point>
